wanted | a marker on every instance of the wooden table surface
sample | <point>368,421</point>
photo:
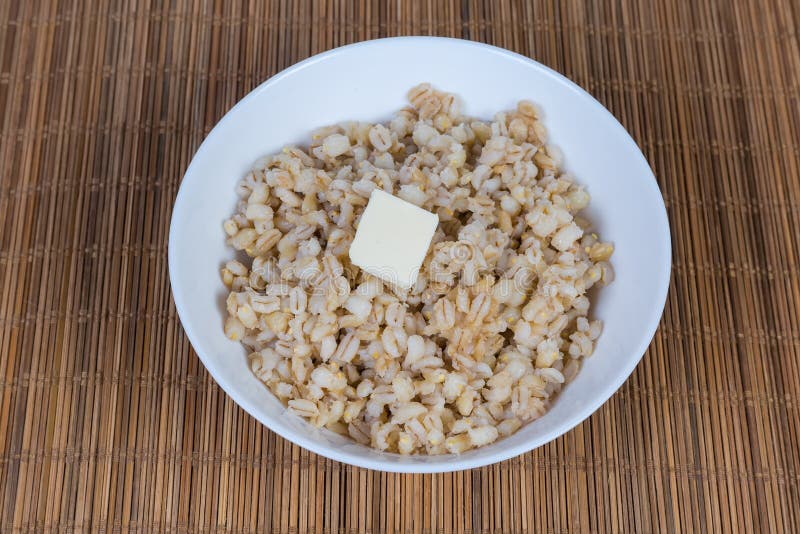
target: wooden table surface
<point>108,421</point>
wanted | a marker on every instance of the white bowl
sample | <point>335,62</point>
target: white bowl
<point>368,81</point>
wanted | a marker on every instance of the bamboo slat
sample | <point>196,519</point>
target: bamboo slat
<point>108,421</point>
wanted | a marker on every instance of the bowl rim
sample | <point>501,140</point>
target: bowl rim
<point>448,463</point>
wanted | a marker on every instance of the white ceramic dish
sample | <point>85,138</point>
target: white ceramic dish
<point>369,81</point>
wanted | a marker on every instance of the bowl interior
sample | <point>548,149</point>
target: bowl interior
<point>369,81</point>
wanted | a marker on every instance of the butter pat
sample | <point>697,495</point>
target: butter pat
<point>392,239</point>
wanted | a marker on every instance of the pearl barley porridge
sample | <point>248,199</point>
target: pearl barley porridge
<point>497,320</point>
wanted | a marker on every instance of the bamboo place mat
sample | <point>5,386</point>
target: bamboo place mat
<point>108,421</point>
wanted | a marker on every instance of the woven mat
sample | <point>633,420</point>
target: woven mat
<point>109,421</point>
